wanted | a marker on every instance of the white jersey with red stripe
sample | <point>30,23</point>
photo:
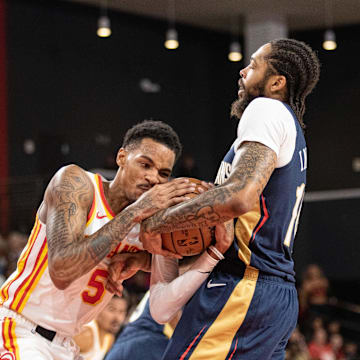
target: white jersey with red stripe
<point>30,291</point>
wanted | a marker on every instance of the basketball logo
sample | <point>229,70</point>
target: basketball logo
<point>189,242</point>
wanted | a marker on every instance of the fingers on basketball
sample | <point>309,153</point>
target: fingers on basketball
<point>191,241</point>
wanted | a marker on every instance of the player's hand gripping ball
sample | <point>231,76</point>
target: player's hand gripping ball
<point>191,241</point>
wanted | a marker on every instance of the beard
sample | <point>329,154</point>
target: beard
<point>238,106</point>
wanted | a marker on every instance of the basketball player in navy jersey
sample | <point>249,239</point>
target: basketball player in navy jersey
<point>248,307</point>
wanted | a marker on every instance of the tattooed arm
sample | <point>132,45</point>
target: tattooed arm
<point>67,202</point>
<point>252,168</point>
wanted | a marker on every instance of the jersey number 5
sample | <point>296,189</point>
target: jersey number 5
<point>97,287</point>
<point>294,222</point>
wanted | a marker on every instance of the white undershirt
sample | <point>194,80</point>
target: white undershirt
<point>268,122</point>
<point>169,292</point>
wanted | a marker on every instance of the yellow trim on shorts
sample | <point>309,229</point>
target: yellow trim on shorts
<point>216,342</point>
<point>10,343</point>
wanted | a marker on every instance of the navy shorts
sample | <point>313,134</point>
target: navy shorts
<point>236,317</point>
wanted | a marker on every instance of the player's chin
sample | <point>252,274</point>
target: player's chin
<point>114,328</point>
<point>135,194</point>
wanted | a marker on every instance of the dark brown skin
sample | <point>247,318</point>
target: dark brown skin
<point>252,167</point>
<point>140,189</point>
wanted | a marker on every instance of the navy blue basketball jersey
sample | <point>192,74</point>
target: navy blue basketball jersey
<point>264,236</point>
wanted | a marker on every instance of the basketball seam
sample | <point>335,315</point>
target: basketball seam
<point>172,240</point>
<point>202,239</point>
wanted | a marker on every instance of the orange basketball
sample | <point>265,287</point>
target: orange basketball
<point>191,241</point>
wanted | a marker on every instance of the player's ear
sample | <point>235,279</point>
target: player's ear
<point>278,83</point>
<point>121,157</point>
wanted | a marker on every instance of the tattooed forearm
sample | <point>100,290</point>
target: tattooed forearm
<point>204,210</point>
<point>75,258</point>
<point>71,254</point>
<point>251,171</point>
<point>108,237</point>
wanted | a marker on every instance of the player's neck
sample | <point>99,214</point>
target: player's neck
<point>115,197</point>
<point>102,335</point>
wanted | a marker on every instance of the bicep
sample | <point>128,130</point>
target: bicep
<point>252,167</point>
<point>67,198</point>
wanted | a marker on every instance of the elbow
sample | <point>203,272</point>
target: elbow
<point>158,314</point>
<point>159,317</point>
<point>59,284</point>
<point>242,204</point>
<point>59,281</point>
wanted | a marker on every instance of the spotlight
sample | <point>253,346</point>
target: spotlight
<point>104,26</point>
<point>235,51</point>
<point>171,39</point>
<point>329,40</point>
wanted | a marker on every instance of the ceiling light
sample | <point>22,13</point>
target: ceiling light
<point>171,40</point>
<point>104,26</point>
<point>235,51</point>
<point>329,40</point>
<point>171,36</point>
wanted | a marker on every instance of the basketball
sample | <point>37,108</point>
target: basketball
<point>189,242</point>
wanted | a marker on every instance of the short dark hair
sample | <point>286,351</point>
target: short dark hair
<point>156,130</point>
<point>126,297</point>
<point>301,67</point>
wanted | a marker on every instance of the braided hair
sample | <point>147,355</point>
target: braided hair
<point>300,65</point>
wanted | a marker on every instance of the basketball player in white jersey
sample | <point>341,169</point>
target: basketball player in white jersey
<point>61,281</point>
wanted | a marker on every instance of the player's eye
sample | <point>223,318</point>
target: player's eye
<point>164,175</point>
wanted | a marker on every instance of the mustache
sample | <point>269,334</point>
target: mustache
<point>241,84</point>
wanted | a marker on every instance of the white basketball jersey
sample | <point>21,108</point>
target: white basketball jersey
<point>31,292</point>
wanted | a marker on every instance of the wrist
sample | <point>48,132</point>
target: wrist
<point>215,253</point>
<point>136,213</point>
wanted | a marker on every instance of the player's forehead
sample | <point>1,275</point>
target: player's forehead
<point>155,152</point>
<point>117,303</point>
<point>259,56</point>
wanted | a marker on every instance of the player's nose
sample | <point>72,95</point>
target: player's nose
<point>242,73</point>
<point>152,177</point>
